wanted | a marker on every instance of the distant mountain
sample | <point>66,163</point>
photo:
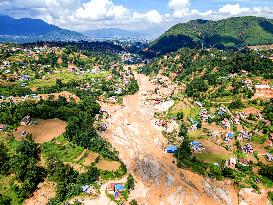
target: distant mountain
<point>30,30</point>
<point>114,33</point>
<point>226,33</point>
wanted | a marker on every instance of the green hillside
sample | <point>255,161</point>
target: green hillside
<point>226,33</point>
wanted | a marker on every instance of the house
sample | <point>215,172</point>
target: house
<point>25,78</point>
<point>244,72</point>
<point>111,187</point>
<point>3,127</point>
<point>221,111</point>
<point>267,123</point>
<point>113,99</point>
<point>269,157</point>
<point>196,146</point>
<point>231,163</point>
<point>103,127</point>
<point>199,104</point>
<point>115,187</point>
<point>225,123</point>
<point>230,135</point>
<point>244,135</point>
<point>23,133</point>
<point>214,134</point>
<point>23,85</point>
<point>204,114</point>
<point>161,123</point>
<point>171,149</point>
<point>119,187</point>
<point>88,189</point>
<point>236,120</point>
<point>269,143</point>
<point>248,149</point>
<point>119,91</point>
<point>194,127</point>
<point>243,162</point>
<point>26,120</point>
<point>271,136</point>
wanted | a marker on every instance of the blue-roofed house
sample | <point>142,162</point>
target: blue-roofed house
<point>171,149</point>
<point>196,146</point>
<point>230,135</point>
<point>119,187</point>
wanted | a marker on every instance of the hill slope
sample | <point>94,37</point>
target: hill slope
<point>226,33</point>
<point>30,30</point>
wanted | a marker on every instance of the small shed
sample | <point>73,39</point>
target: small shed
<point>171,149</point>
<point>85,188</point>
<point>26,120</point>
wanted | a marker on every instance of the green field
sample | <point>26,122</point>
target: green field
<point>63,149</point>
<point>211,158</point>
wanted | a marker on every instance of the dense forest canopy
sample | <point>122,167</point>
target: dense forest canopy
<point>226,33</point>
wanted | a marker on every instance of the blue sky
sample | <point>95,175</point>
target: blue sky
<point>160,5</point>
<point>137,15</point>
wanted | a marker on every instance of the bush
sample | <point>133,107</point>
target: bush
<point>270,196</point>
<point>133,202</point>
<point>215,172</point>
<point>237,104</point>
<point>180,116</point>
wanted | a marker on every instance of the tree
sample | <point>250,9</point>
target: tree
<point>133,202</point>
<point>130,184</point>
<point>183,130</point>
<point>180,115</point>
<point>4,200</point>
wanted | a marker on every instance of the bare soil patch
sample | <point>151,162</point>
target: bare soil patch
<point>108,165</point>
<point>214,127</point>
<point>251,110</point>
<point>42,195</point>
<point>212,148</point>
<point>44,131</point>
<point>90,158</point>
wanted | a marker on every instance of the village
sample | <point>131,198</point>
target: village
<point>118,132</point>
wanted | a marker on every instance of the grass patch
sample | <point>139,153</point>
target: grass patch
<point>63,149</point>
<point>198,134</point>
<point>210,158</point>
<point>66,77</point>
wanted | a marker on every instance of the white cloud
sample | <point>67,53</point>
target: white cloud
<point>233,9</point>
<point>178,4</point>
<point>179,7</point>
<point>101,10</point>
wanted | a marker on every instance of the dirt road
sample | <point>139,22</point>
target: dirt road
<point>132,131</point>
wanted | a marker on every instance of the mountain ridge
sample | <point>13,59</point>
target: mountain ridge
<point>115,33</point>
<point>26,30</point>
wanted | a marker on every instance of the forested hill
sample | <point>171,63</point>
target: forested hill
<point>226,33</point>
<point>30,30</point>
